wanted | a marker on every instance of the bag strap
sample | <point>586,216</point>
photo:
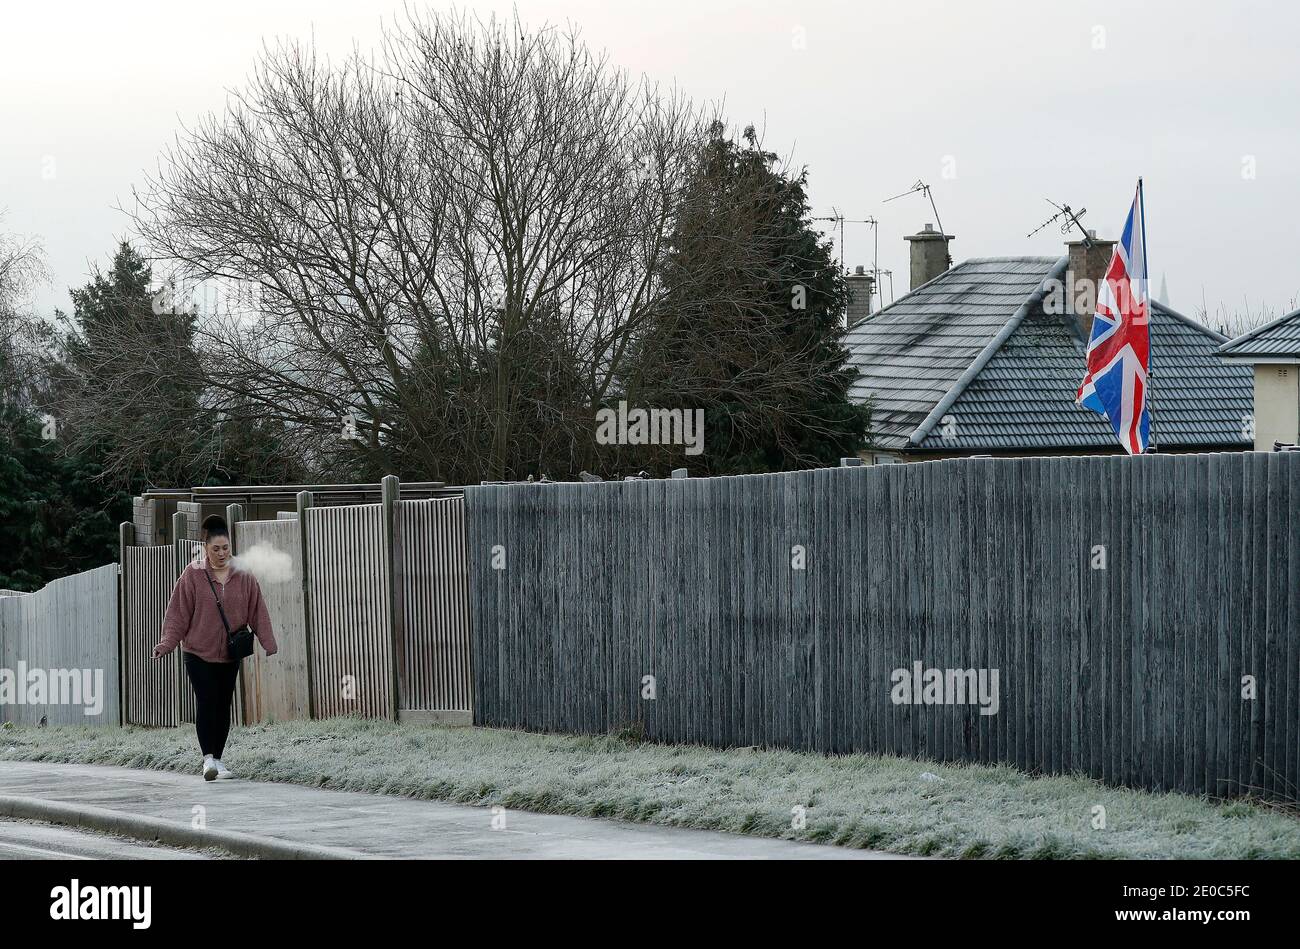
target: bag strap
<point>224,622</point>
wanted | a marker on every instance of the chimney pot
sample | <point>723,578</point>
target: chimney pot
<point>929,254</point>
<point>861,285</point>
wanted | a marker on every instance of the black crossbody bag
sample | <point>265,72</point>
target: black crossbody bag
<point>239,644</point>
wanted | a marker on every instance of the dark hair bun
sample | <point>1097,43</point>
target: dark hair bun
<point>214,525</point>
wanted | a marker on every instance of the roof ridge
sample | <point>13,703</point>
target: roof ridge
<point>946,402</point>
<point>1027,258</point>
<point>953,269</point>
<point>1257,331</point>
<point>1194,324</point>
<point>1024,258</point>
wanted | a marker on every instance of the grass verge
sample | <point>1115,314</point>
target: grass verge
<point>881,802</point>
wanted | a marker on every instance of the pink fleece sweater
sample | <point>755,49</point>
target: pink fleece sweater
<point>193,621</point>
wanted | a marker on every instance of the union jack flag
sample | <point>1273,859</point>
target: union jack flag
<point>1119,347</point>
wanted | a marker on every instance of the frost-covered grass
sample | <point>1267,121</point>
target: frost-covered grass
<point>852,800</point>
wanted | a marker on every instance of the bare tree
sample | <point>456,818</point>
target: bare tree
<point>448,249</point>
<point>1233,323</point>
<point>22,337</point>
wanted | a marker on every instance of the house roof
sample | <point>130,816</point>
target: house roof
<point>1281,337</point>
<point>971,361</point>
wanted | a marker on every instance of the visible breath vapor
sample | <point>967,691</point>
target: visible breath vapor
<point>265,563</point>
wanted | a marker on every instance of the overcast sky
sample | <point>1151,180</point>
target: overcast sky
<point>996,105</point>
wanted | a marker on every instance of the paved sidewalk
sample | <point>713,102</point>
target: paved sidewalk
<point>361,825</point>
<point>30,840</point>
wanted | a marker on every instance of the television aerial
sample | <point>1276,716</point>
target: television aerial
<point>1069,219</point>
<point>924,188</point>
<point>836,218</point>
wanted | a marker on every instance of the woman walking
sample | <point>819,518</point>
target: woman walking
<point>207,588</point>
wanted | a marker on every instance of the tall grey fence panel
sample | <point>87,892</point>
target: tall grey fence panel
<point>153,690</point>
<point>433,608</point>
<point>276,689</point>
<point>59,652</point>
<point>1134,619</point>
<point>350,597</point>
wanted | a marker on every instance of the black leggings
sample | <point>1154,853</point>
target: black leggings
<point>214,686</point>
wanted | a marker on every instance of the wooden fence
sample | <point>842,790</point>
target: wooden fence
<point>64,639</point>
<point>1141,613</point>
<point>369,604</point>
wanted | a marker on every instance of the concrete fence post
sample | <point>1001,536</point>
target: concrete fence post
<point>125,539</point>
<point>180,543</point>
<point>180,560</point>
<point>235,514</point>
<point>390,490</point>
<point>304,502</point>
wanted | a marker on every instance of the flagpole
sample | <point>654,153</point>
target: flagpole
<point>1146,289</point>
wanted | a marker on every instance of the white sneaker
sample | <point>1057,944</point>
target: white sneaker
<point>222,771</point>
<point>210,769</point>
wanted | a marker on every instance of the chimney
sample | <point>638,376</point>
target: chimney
<point>929,254</point>
<point>1087,266</point>
<point>861,285</point>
